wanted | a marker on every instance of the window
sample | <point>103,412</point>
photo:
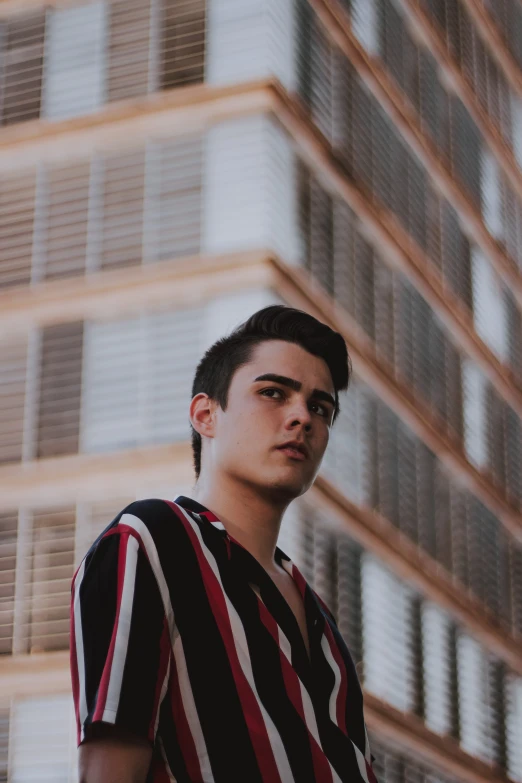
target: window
<point>74,73</point>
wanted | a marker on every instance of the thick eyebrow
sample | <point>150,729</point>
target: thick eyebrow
<point>317,394</point>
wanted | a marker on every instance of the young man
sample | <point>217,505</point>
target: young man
<point>198,651</point>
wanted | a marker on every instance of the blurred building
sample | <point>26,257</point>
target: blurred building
<point>166,168</point>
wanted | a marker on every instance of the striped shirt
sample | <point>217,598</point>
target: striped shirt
<point>170,641</point>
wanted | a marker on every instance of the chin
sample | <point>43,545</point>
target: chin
<point>289,487</point>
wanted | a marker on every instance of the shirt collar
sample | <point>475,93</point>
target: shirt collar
<point>198,508</point>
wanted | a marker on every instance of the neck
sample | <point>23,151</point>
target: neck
<point>252,519</point>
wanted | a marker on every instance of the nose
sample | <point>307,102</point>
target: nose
<point>300,414</point>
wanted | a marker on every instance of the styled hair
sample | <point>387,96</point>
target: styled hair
<point>216,369</point>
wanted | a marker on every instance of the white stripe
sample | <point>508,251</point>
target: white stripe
<point>80,658</point>
<point>122,632</point>
<point>186,692</point>
<point>189,706</point>
<point>325,644</point>
<point>162,696</point>
<point>238,633</point>
<point>150,548</point>
<point>361,761</point>
<point>367,749</point>
<point>308,708</point>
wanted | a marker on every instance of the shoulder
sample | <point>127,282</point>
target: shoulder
<point>153,522</point>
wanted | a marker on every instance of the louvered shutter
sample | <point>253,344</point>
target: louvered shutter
<point>515,555</point>
<point>183,24</point>
<point>442,515</point>
<point>4,744</point>
<point>514,327</point>
<point>458,505</point>
<point>112,385</point>
<point>516,109</point>
<point>404,332</point>
<point>17,195</point>
<point>433,102</point>
<point>454,384</point>
<point>513,445</point>
<point>426,498</point>
<point>455,255</point>
<point>130,32</point>
<point>486,561</point>
<point>491,194</point>
<point>364,284</point>
<point>466,148</point>
<point>407,481</point>
<point>43,617</point>
<point>365,23</point>
<point>385,301</point>
<point>514,726</point>
<point>42,740</point>
<point>120,238</point>
<point>475,433</point>
<point>317,76</point>
<point>59,390</point>
<point>21,63</point>
<point>174,198</point>
<point>74,74</point>
<point>250,193</point>
<point>437,684</point>
<point>495,433</point>
<point>386,467</point>
<point>8,541</point>
<point>387,635</point>
<point>254,38</point>
<point>321,236</point>
<point>172,351</point>
<point>343,461</point>
<point>489,306</point>
<point>475,736</point>
<point>64,224</point>
<point>348,606</point>
<point>13,378</point>
<point>138,378</point>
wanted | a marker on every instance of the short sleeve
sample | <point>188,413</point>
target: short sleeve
<point>120,641</point>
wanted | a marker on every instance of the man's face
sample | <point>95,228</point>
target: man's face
<point>261,415</point>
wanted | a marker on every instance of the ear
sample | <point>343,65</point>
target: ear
<point>201,413</point>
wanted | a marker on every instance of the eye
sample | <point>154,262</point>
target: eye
<point>325,410</point>
<point>272,390</point>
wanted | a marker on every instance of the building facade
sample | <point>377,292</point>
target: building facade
<point>166,168</point>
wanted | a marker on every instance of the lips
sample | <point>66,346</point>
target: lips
<point>294,448</point>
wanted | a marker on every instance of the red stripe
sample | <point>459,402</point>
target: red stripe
<point>371,774</point>
<point>73,658</point>
<point>341,705</point>
<point>104,682</point>
<point>184,733</point>
<point>165,650</point>
<point>322,769</point>
<point>251,709</point>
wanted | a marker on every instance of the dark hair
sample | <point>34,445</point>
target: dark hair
<point>216,369</point>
